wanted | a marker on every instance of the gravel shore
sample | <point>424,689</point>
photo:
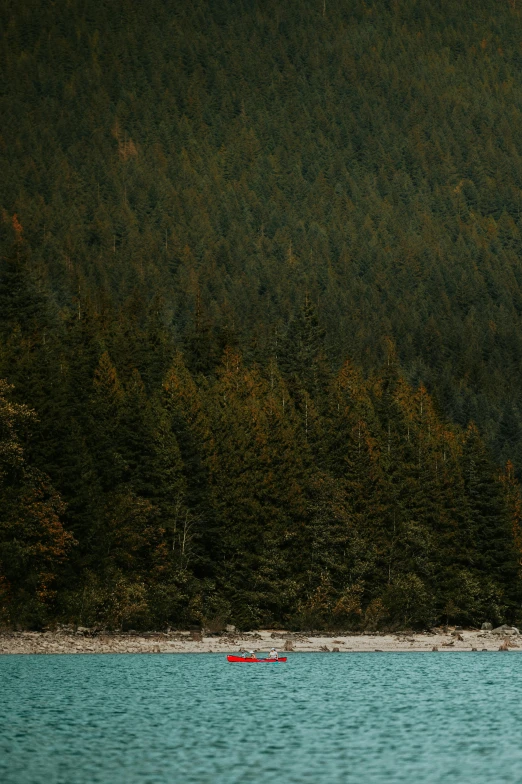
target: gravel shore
<point>88,641</point>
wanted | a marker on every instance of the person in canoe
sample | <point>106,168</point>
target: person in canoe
<point>273,654</point>
<point>251,655</point>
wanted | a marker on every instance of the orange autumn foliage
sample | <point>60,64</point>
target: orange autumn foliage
<point>17,226</point>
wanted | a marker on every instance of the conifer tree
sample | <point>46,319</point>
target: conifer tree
<point>492,550</point>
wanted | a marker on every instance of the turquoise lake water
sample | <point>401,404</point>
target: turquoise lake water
<point>370,717</point>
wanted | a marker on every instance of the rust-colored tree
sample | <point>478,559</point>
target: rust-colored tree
<point>33,542</point>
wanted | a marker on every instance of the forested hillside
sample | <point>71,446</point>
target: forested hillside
<point>260,312</point>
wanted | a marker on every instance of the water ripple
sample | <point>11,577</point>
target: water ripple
<point>124,719</point>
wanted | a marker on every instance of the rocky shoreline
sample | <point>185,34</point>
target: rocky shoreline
<point>89,641</point>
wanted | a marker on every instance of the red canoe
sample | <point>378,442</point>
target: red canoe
<point>254,661</point>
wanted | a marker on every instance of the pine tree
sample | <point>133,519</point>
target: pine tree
<point>492,551</point>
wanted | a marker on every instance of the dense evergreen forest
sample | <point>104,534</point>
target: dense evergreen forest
<point>260,313</point>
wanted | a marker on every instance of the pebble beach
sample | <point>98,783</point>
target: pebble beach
<point>87,641</point>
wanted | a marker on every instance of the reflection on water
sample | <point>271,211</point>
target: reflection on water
<point>372,718</point>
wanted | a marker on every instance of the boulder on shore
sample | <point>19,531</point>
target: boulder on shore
<point>505,629</point>
<point>486,627</point>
